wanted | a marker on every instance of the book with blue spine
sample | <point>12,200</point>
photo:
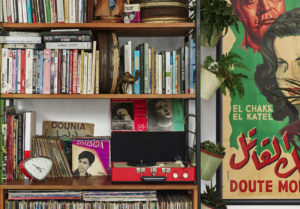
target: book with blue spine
<point>174,72</point>
<point>29,14</point>
<point>191,66</point>
<point>136,67</point>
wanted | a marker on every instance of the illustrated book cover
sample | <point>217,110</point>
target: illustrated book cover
<point>91,156</point>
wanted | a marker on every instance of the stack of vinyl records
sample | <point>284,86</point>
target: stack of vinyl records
<point>51,147</point>
<point>163,11</point>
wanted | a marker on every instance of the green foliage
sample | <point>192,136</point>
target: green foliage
<point>224,70</point>
<point>213,148</point>
<point>212,198</point>
<point>215,15</point>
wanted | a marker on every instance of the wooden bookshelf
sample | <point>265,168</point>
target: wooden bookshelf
<point>93,183</point>
<point>132,29</point>
<point>97,96</point>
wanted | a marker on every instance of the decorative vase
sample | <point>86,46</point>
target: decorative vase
<point>213,41</point>
<point>209,164</point>
<point>209,84</point>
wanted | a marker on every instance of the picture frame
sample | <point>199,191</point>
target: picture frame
<point>261,161</point>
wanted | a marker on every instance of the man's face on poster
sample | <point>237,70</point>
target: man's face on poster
<point>258,15</point>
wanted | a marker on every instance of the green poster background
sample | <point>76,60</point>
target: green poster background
<point>252,111</point>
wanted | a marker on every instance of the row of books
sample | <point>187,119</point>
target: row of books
<point>43,11</point>
<point>17,130</point>
<point>166,200</point>
<point>49,71</point>
<point>166,72</point>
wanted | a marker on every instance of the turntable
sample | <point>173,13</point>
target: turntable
<point>152,172</point>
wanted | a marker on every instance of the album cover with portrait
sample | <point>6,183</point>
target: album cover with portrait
<point>128,115</point>
<point>90,156</point>
<point>165,115</point>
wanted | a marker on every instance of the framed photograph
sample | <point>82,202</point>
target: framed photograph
<point>110,11</point>
<point>260,131</point>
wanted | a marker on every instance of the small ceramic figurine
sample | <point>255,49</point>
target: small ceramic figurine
<point>109,10</point>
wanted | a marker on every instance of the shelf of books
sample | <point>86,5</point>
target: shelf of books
<point>133,29</point>
<point>97,96</point>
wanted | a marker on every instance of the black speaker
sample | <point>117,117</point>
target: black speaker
<point>147,147</point>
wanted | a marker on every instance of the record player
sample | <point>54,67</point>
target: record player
<point>152,172</point>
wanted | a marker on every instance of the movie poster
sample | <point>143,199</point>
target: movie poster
<point>261,130</point>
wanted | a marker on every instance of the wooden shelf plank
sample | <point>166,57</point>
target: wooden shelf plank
<point>132,29</point>
<point>97,96</point>
<point>91,183</point>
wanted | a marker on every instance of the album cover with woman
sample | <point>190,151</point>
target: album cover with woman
<point>90,156</point>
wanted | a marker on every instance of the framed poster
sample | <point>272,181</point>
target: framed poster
<point>261,130</point>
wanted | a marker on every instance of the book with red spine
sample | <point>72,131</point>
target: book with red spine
<point>23,70</point>
<point>70,72</point>
<point>10,147</point>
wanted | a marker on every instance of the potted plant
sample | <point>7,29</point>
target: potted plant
<point>210,199</point>
<point>211,157</point>
<point>220,73</point>
<point>215,15</point>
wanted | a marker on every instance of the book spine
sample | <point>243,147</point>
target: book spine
<point>52,71</point>
<point>1,20</point>
<point>19,72</point>
<point>75,69</point>
<point>70,72</point>
<point>85,72</point>
<point>20,39</point>
<point>93,68</point>
<point>97,73</point>
<point>41,69</point>
<point>29,14</point>
<point>59,67</point>
<point>156,73</point>
<point>168,72</point>
<point>37,79</point>
<point>34,70</point>
<point>79,73</point>
<point>66,11</point>
<point>30,128</point>
<point>20,138</point>
<point>72,11</point>
<point>80,11</point>
<point>55,10</point>
<point>142,78</point>
<point>174,73</point>
<point>4,57</point>
<point>68,45</point>
<point>136,68</point>
<point>15,71</point>
<point>153,71</point>
<point>47,71</point>
<point>60,11</point>
<point>20,11</point>
<point>82,71</point>
<point>33,11</point>
<point>67,38</point>
<point>89,75</point>
<point>4,11</point>
<point>191,66</point>
<point>8,11</point>
<point>186,69</point>
<point>52,19</point>
<point>10,147</point>
<point>146,68</point>
<point>23,70</point>
<point>63,72</point>
<point>55,70</point>
<point>182,69</point>
<point>67,71</point>
<point>42,11</point>
<point>85,8</point>
<point>163,63</point>
<point>48,11</point>
<point>28,71</point>
<point>10,70</point>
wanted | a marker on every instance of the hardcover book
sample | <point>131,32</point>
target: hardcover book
<point>128,115</point>
<point>90,156</point>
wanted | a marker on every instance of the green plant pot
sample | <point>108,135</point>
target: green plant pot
<point>209,164</point>
<point>214,38</point>
<point>209,84</point>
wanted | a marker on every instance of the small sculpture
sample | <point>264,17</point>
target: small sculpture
<point>109,10</point>
<point>126,80</point>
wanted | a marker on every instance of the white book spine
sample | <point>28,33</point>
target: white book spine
<point>52,11</point>
<point>160,74</point>
<point>20,11</point>
<point>4,70</point>
<point>90,78</point>
<point>68,45</point>
<point>85,72</point>
<point>156,74</point>
<point>72,11</point>
<point>60,11</point>
<point>55,70</point>
<point>93,68</point>
<point>20,39</point>
<point>168,74</point>
<point>64,71</point>
<point>30,131</point>
<point>78,73</point>
<point>80,12</point>
<point>28,71</point>
<point>24,10</point>
<point>97,73</point>
<point>19,72</point>
<point>10,71</point>
<point>12,11</point>
<point>4,10</point>
<point>128,63</point>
